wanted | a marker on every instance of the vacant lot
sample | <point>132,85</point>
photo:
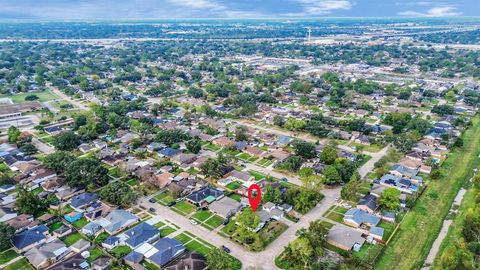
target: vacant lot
<point>410,245</point>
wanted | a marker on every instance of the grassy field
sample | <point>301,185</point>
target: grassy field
<point>455,230</point>
<point>42,96</point>
<point>411,244</point>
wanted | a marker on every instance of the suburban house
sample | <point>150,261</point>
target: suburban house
<point>111,242</point>
<point>6,214</point>
<point>368,203</point>
<point>204,195</point>
<point>357,217</point>
<point>162,252</point>
<point>46,254</point>
<point>83,200</point>
<point>30,238</point>
<point>244,178</point>
<point>140,234</point>
<point>91,228</point>
<point>117,220</point>
<point>225,207</point>
<point>73,216</point>
<point>345,238</point>
<point>188,260</point>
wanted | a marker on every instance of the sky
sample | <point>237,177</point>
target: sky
<point>231,9</point>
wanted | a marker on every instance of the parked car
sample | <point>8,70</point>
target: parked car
<point>225,221</point>
<point>227,250</point>
<point>193,222</point>
<point>152,200</point>
<point>170,204</point>
<point>151,209</point>
<point>285,179</point>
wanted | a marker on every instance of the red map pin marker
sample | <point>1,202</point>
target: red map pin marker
<point>254,201</point>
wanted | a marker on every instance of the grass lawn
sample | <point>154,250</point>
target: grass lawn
<point>101,237</point>
<point>424,221</point>
<point>94,254</point>
<point>72,239</point>
<point>388,229</point>
<point>184,207</point>
<point>21,264</point>
<point>133,182</point>
<point>272,231</point>
<point>211,147</point>
<point>7,256</point>
<point>235,196</point>
<point>230,228</point>
<point>120,251</point>
<point>233,185</point>
<point>159,224</point>
<point>257,175</point>
<point>165,231</point>
<point>149,266</point>
<point>244,156</point>
<point>37,190</point>
<point>202,215</point>
<point>215,221</point>
<point>368,252</point>
<point>183,238</point>
<point>335,217</point>
<point>265,162</point>
<point>164,198</point>
<point>55,226</point>
<point>42,96</point>
<point>80,223</point>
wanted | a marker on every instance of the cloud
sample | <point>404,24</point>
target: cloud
<point>320,7</point>
<point>198,4</point>
<point>439,11</point>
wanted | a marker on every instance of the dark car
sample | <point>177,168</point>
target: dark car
<point>227,250</point>
<point>171,203</point>
<point>285,179</point>
<point>151,209</point>
<point>152,200</point>
<point>225,221</point>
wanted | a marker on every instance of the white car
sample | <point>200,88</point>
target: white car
<point>193,222</point>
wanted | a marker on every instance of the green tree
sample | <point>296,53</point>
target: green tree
<point>247,222</point>
<point>218,259</point>
<point>194,145</point>
<point>272,194</point>
<point>331,175</point>
<point>350,190</point>
<point>212,168</point>
<point>6,235</point>
<point>29,149</point>
<point>58,161</point>
<point>66,141</point>
<point>27,202</point>
<point>13,134</point>
<point>304,149</point>
<point>241,134</point>
<point>118,193</point>
<point>329,154</point>
<point>390,199</point>
<point>86,172</point>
